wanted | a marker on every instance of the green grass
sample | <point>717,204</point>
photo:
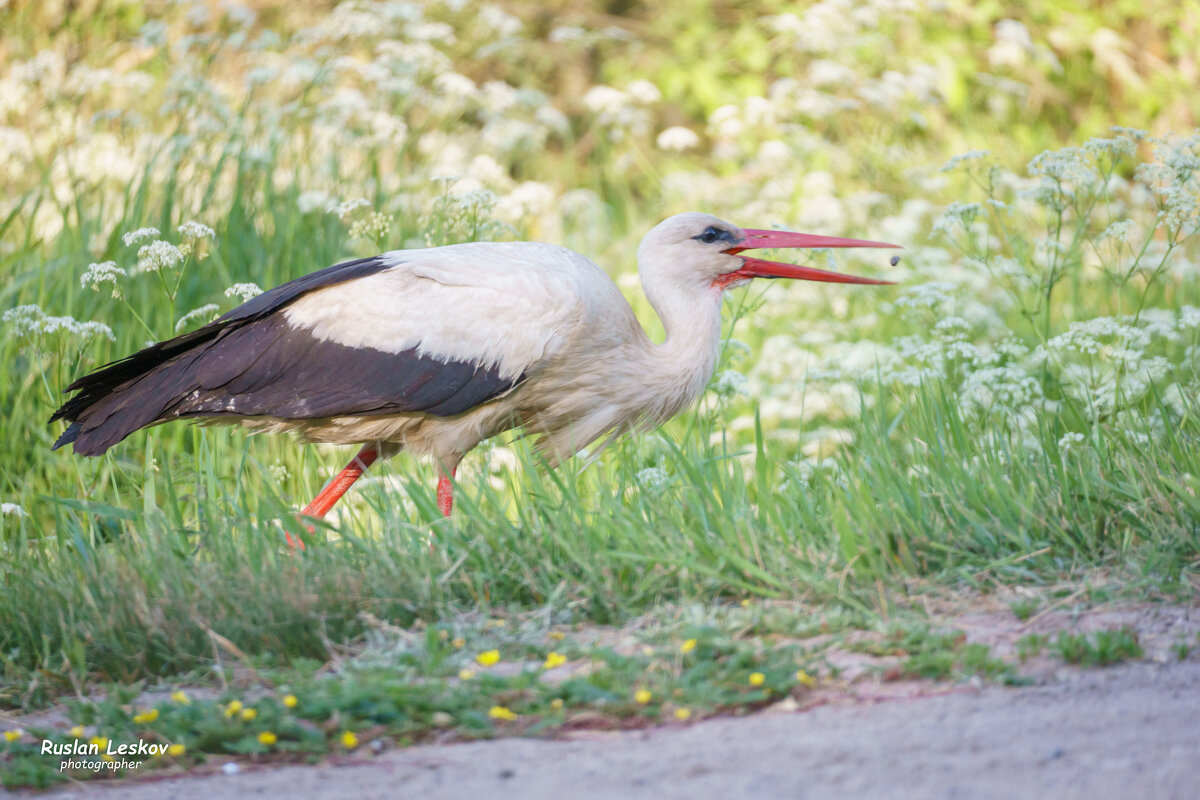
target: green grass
<point>982,423</point>
<point>1100,649</point>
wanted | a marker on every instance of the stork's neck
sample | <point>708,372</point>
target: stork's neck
<point>681,366</point>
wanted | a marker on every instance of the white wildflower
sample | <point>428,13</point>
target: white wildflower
<point>243,291</point>
<point>374,226</point>
<point>644,92</point>
<point>967,159</point>
<point>932,295</point>
<point>500,22</point>
<point>1005,391</point>
<point>1070,440</point>
<point>1119,231</point>
<point>605,100</point>
<point>140,235</point>
<point>158,255</point>
<point>957,215</point>
<point>196,230</point>
<point>651,477</point>
<point>103,272</point>
<point>206,313</point>
<point>29,321</point>
<point>350,207</point>
<point>12,510</point>
<point>529,199</point>
<point>730,382</point>
<point>825,73</point>
<point>677,139</point>
<point>1070,165</point>
<point>279,471</point>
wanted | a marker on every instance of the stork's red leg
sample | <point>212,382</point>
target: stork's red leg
<point>446,493</point>
<point>337,487</point>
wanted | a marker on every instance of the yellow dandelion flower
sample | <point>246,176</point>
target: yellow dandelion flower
<point>249,713</point>
<point>466,674</point>
<point>557,636</point>
<point>176,749</point>
<point>553,660</point>
<point>642,696</point>
<point>757,679</point>
<point>488,658</point>
<point>267,738</point>
<point>107,757</point>
<point>458,644</point>
<point>805,679</point>
<point>683,714</point>
<point>234,707</point>
<point>149,715</point>
<point>12,736</point>
<point>746,603</point>
<point>501,713</point>
<point>99,741</point>
<point>77,731</point>
<point>556,703</point>
<point>688,646</point>
<point>181,698</point>
<point>349,740</point>
<point>290,701</point>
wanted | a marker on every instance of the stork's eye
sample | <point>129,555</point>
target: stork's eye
<point>712,234</point>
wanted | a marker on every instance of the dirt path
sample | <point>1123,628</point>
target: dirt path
<point>1123,732</point>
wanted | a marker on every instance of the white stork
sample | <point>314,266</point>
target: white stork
<point>433,351</point>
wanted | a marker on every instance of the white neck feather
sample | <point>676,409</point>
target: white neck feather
<point>677,370</point>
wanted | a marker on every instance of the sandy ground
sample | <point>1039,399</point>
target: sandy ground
<point>1124,732</point>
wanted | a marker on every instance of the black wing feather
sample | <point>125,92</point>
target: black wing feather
<point>253,362</point>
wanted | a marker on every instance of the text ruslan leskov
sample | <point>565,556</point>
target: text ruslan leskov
<point>111,748</point>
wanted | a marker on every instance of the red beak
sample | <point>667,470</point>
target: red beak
<point>760,268</point>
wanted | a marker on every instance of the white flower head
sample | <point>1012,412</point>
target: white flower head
<point>644,92</point>
<point>12,510</point>
<point>1119,231</point>
<point>158,255</point>
<point>677,139</point>
<point>1070,441</point>
<point>967,160</point>
<point>140,235</point>
<point>651,477</point>
<point>196,230</point>
<point>730,383</point>
<point>243,291</point>
<point>29,321</point>
<point>350,207</point>
<point>204,313</point>
<point>103,272</point>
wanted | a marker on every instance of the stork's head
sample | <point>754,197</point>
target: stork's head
<point>696,249</point>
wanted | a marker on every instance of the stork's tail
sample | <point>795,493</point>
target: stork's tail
<point>126,395</point>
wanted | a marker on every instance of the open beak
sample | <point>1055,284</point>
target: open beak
<point>760,268</point>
